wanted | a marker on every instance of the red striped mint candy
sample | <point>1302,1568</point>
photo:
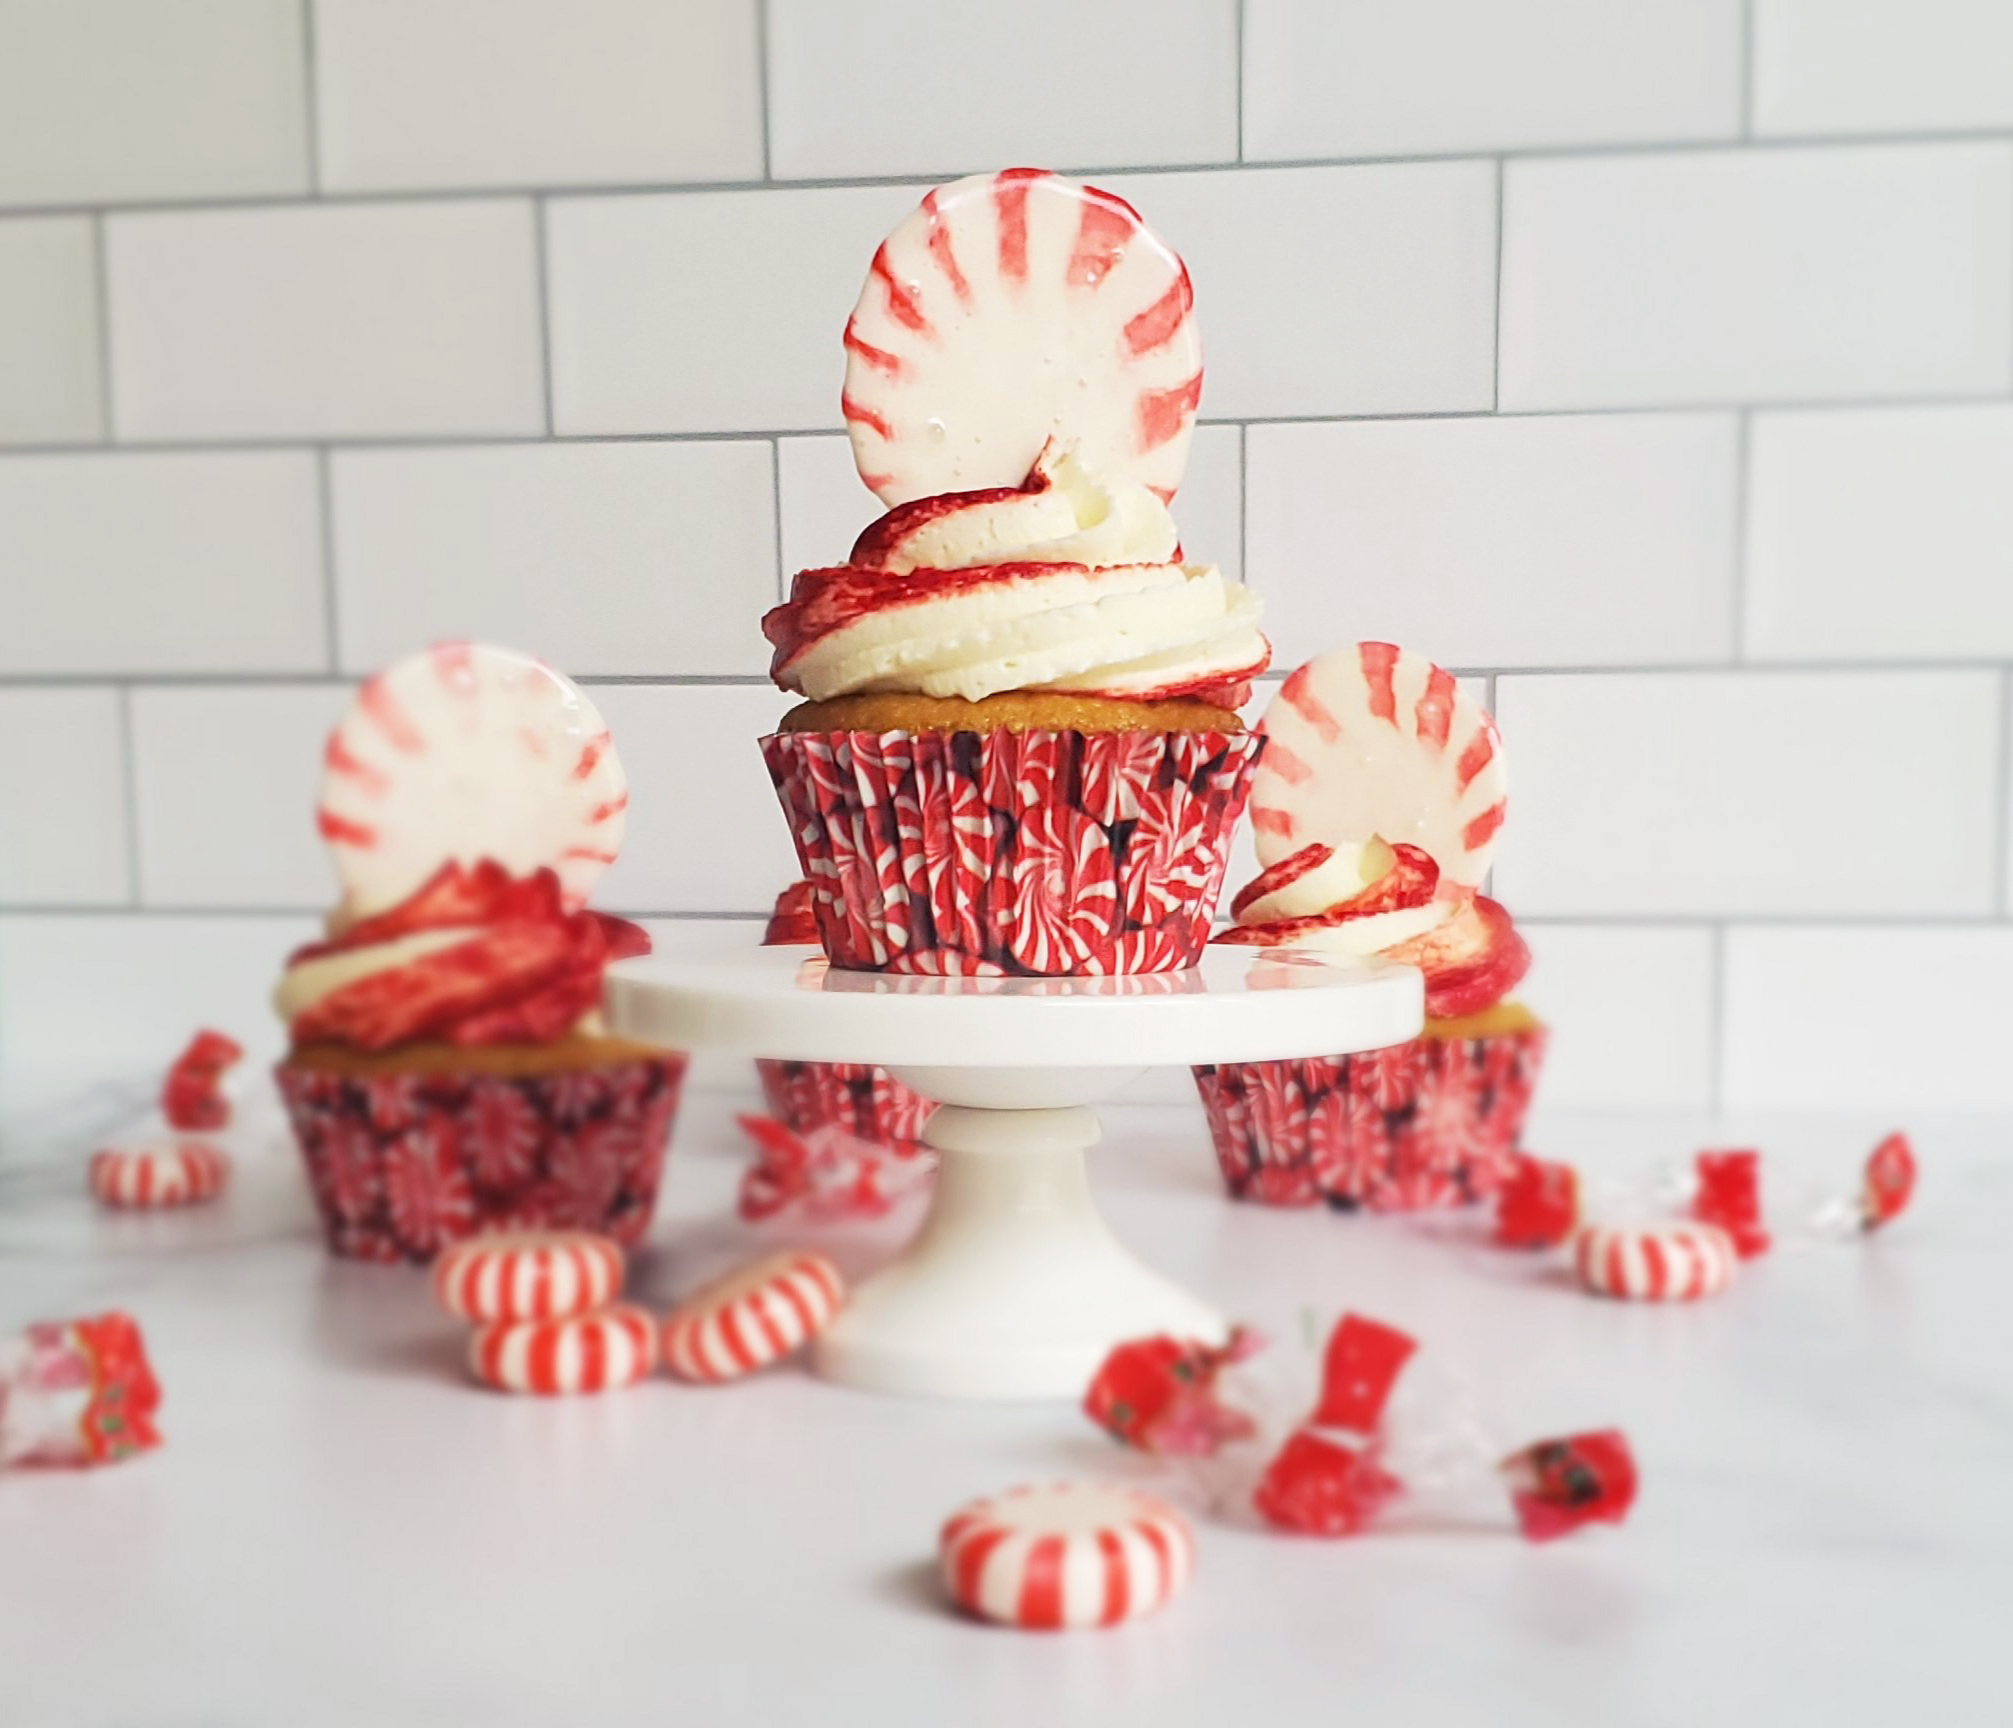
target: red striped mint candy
<point>1064,1556</point>
<point>159,1173</point>
<point>752,1317</point>
<point>1654,1262</point>
<point>528,1275</point>
<point>583,1353</point>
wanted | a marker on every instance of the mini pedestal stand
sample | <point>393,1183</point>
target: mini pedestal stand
<point>1013,1287</point>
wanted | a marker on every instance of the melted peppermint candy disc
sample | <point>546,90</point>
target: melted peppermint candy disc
<point>469,752</point>
<point>1009,309</point>
<point>1375,740</point>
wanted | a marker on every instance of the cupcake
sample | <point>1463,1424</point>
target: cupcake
<point>1018,751</point>
<point>857,1098</point>
<point>1376,812</point>
<point>449,1072</point>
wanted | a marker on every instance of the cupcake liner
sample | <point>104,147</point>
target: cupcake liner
<point>854,1097</point>
<point>1038,853</point>
<point>403,1164</point>
<point>1426,1124</point>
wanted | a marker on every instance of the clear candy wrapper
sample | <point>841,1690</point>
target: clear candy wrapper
<point>1370,1437</point>
<point>826,1173</point>
<point>76,1393</point>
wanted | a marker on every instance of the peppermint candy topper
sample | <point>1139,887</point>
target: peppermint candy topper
<point>467,752</point>
<point>1376,741</point>
<point>1009,309</point>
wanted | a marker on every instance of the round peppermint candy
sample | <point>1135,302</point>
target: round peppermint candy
<point>752,1317</point>
<point>1013,308</point>
<point>1654,1262</point>
<point>528,1275</point>
<point>1376,740</point>
<point>159,1173</point>
<point>1065,1556</point>
<point>468,752</point>
<point>583,1353</point>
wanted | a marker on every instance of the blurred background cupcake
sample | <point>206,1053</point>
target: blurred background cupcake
<point>449,1073</point>
<point>1019,751</point>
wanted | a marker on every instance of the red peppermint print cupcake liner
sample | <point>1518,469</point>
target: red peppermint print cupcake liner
<point>1427,1124</point>
<point>1046,854</point>
<point>401,1165</point>
<point>854,1097</point>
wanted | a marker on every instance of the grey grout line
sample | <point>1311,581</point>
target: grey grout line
<point>2003,838</point>
<point>762,81</point>
<point>1496,327</point>
<point>776,510</point>
<point>130,791</point>
<point>1716,1056</point>
<point>325,502</point>
<point>1237,72</point>
<point>311,103</point>
<point>700,680</point>
<point>544,308</point>
<point>101,287</point>
<point>1742,489</point>
<point>1747,71</point>
<point>1244,505</point>
<point>750,435</point>
<point>1730,145</point>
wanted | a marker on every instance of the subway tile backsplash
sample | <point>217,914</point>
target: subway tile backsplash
<point>1649,362</point>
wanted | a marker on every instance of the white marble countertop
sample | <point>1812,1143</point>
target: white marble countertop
<point>340,1529</point>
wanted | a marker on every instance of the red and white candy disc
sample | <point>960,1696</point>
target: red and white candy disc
<point>1009,309</point>
<point>1654,1262</point>
<point>1065,1555</point>
<point>159,1173</point>
<point>528,1275</point>
<point>752,1317</point>
<point>467,751</point>
<point>1378,740</point>
<point>584,1353</point>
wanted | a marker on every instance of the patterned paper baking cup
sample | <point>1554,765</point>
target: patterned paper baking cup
<point>1046,854</point>
<point>401,1165</point>
<point>866,1102</point>
<point>1426,1124</point>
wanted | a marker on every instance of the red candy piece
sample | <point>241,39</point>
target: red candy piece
<point>1362,1364</point>
<point>1322,1488</point>
<point>192,1096</point>
<point>833,1174</point>
<point>1159,1394</point>
<point>1729,1195</point>
<point>77,1392</point>
<point>1890,1182</point>
<point>1538,1205</point>
<point>1558,1485</point>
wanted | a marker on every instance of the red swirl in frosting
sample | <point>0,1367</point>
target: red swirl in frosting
<point>526,971</point>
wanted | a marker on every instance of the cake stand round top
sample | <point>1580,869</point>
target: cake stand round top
<point>1239,1005</point>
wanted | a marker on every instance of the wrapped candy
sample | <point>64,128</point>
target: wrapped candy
<point>1889,1183</point>
<point>76,1392</point>
<point>1557,1486</point>
<point>1538,1205</point>
<point>192,1097</point>
<point>1729,1195</point>
<point>1159,1394</point>
<point>829,1173</point>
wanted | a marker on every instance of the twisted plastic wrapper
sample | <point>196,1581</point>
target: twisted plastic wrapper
<point>827,1173</point>
<point>76,1393</point>
<point>1242,1439</point>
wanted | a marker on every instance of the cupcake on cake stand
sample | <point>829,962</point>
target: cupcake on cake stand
<point>1013,1287</point>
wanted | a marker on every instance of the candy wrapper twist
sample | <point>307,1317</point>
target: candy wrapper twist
<point>77,1393</point>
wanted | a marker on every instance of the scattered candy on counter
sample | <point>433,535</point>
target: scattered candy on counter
<point>581,1353</point>
<point>1159,1394</point>
<point>827,1172</point>
<point>1889,1182</point>
<point>1729,1195</point>
<point>1538,1205</point>
<point>1065,1556</point>
<point>1327,1479</point>
<point>528,1275</point>
<point>1557,1486</point>
<point>752,1318</point>
<point>1675,1262</point>
<point>158,1173</point>
<point>193,1094</point>
<point>76,1392</point>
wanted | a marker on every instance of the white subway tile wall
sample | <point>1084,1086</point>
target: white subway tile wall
<point>1650,362</point>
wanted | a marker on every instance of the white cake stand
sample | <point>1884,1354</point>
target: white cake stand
<point>1012,1287</point>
